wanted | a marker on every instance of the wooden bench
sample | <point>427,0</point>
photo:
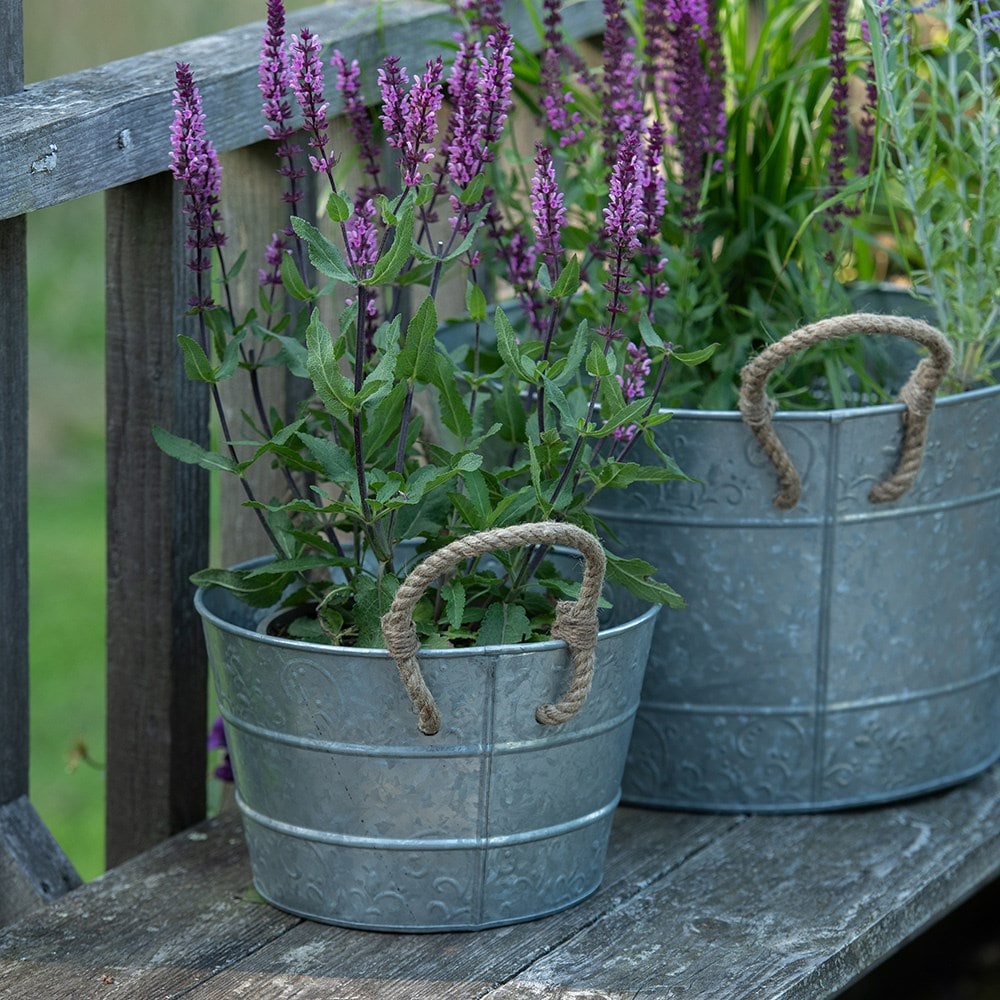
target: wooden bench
<point>691,905</point>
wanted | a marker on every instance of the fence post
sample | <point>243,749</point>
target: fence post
<point>33,868</point>
<point>157,530</point>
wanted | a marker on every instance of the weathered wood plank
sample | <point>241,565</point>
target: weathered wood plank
<point>87,131</point>
<point>33,868</point>
<point>692,906</point>
<point>157,530</point>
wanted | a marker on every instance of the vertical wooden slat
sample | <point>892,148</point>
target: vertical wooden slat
<point>33,868</point>
<point>157,530</point>
<point>13,458</point>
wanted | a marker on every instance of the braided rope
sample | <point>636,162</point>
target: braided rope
<point>575,621</point>
<point>918,395</point>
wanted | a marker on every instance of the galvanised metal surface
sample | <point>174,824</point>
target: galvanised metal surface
<point>837,654</point>
<point>353,817</point>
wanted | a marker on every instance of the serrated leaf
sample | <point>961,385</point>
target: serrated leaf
<point>333,388</point>
<point>392,261</point>
<point>323,255</point>
<point>473,191</point>
<point>337,462</point>
<point>503,624</point>
<point>599,364</point>
<point>574,356</point>
<point>509,350</point>
<point>197,366</point>
<point>635,575</point>
<point>416,360</point>
<point>192,453</point>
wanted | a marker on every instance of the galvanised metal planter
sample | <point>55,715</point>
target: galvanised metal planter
<point>839,653</point>
<point>353,816</point>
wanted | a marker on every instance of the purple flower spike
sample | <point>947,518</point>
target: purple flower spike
<point>624,216</point>
<point>273,73</point>
<point>549,207</point>
<point>410,119</point>
<point>307,82</point>
<point>622,104</point>
<point>194,161</point>
<point>633,385</point>
<point>362,239</point>
<point>360,123</point>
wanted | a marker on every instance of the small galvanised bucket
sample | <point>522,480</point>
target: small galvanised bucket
<point>840,653</point>
<point>354,817</point>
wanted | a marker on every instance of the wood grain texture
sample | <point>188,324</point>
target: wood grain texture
<point>692,906</point>
<point>33,868</point>
<point>157,530</point>
<point>88,131</point>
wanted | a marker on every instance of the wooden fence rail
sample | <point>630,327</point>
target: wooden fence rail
<point>107,129</point>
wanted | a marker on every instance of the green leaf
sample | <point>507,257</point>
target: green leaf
<point>508,410</point>
<point>568,282</point>
<point>475,302</point>
<point>569,366</point>
<point>599,364</point>
<point>323,255</point>
<point>231,356</point>
<point>191,452</point>
<point>416,361</point>
<point>509,350</point>
<point>197,366</point>
<point>338,207</point>
<point>381,379</point>
<point>504,624</point>
<point>337,462</point>
<point>692,358</point>
<point>292,280</point>
<point>618,475</point>
<point>473,191</point>
<point>453,593</point>
<point>477,493</point>
<point>334,389</point>
<point>452,407</point>
<point>635,575</point>
<point>260,591</point>
<point>649,336</point>
<point>392,261</point>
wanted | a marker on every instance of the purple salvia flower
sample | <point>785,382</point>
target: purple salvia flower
<point>410,117</point>
<point>360,123</point>
<point>622,101</point>
<point>274,75</point>
<point>624,222</point>
<point>480,92</point>
<point>624,215</point>
<point>557,103</point>
<point>362,239</point>
<point>840,113</point>
<point>654,204</point>
<point>194,161</point>
<point>275,250</point>
<point>549,206</point>
<point>633,384</point>
<point>692,93</point>
<point>275,79</point>
<point>307,82</point>
<point>217,741</point>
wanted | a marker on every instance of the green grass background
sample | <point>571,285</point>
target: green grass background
<point>66,415</point>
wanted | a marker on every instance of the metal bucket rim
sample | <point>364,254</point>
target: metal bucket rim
<point>380,653</point>
<point>832,415</point>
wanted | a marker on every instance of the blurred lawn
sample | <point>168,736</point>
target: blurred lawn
<point>66,391</point>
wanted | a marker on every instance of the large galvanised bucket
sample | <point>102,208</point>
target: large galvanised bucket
<point>839,653</point>
<point>353,816</point>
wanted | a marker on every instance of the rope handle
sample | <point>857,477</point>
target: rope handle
<point>575,621</point>
<point>918,395</point>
